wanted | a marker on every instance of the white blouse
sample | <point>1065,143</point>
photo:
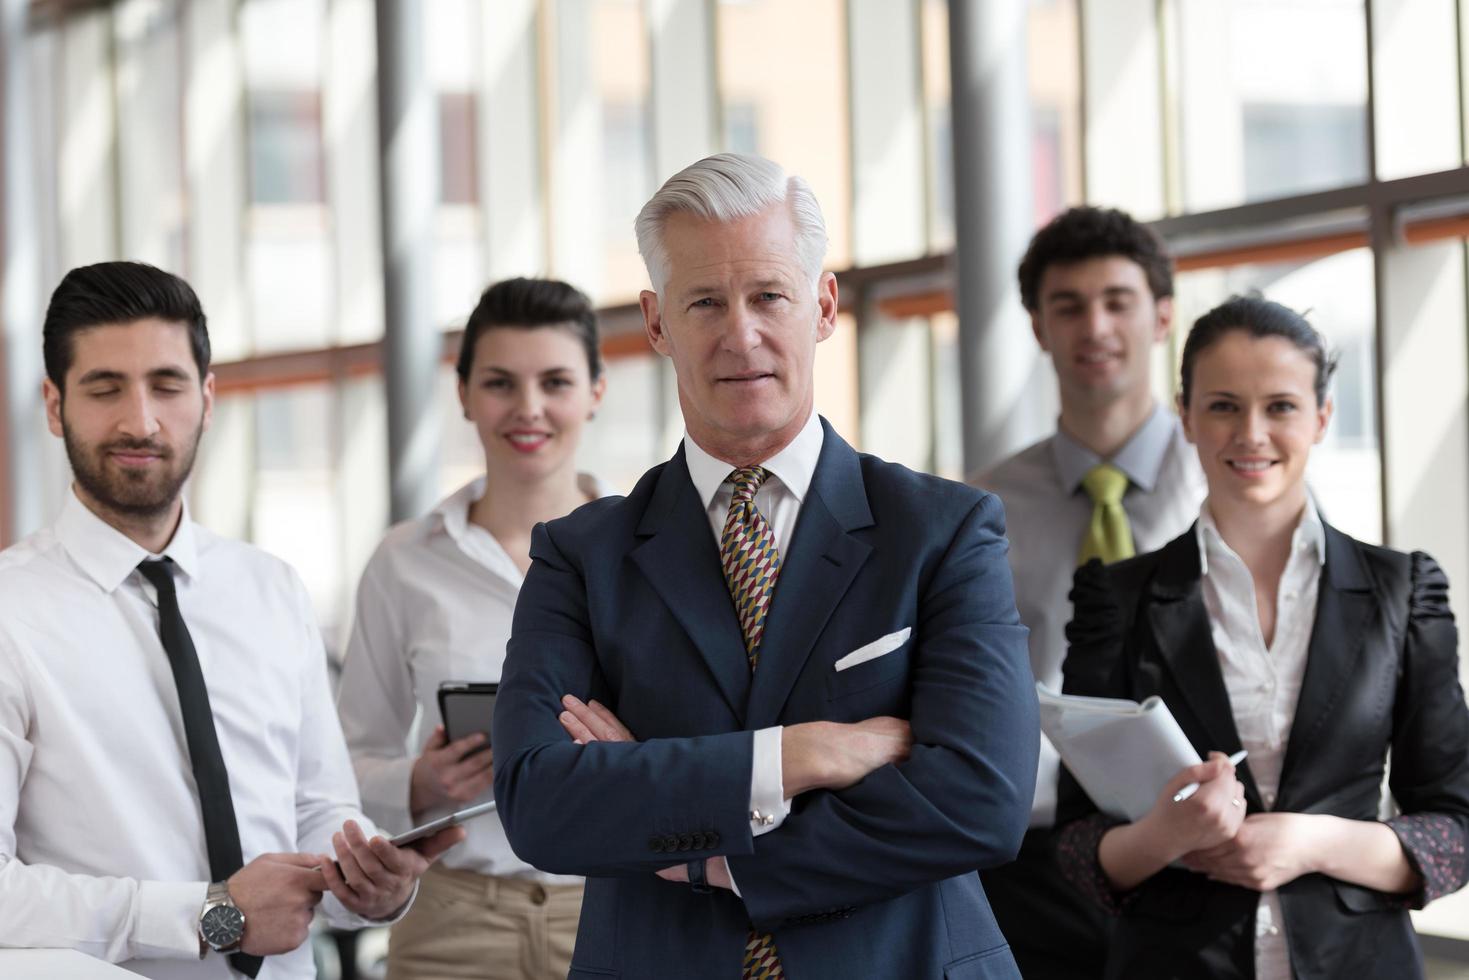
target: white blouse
<point>435,604</point>
<point>1263,682</point>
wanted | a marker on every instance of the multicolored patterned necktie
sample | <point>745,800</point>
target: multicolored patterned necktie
<point>751,560</point>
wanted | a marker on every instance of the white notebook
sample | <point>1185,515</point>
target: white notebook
<point>1121,752</point>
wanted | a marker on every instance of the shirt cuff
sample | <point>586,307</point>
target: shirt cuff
<point>768,805</point>
<point>733,885</point>
<point>168,920</point>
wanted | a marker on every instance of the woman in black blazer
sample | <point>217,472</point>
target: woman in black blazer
<point>1265,628</point>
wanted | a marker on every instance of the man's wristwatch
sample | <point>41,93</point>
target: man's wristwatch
<point>221,923</point>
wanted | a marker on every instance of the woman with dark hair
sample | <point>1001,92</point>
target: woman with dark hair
<point>1264,628</point>
<point>435,605</point>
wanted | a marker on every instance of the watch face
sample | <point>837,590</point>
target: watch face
<point>222,926</point>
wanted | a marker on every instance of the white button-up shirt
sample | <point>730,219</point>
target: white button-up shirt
<point>435,604</point>
<point>779,501</point>
<point>101,841</point>
<point>1263,683</point>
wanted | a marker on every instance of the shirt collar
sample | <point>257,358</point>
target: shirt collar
<point>107,555</point>
<point>452,513</point>
<point>1309,535</point>
<point>1140,458</point>
<point>793,466</point>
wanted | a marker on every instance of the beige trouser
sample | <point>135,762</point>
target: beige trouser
<point>465,924</point>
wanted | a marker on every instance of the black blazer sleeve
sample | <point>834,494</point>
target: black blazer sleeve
<point>1094,666</point>
<point>1430,767</point>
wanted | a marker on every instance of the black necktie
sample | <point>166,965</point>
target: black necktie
<point>221,833</point>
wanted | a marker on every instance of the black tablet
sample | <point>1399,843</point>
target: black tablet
<point>467,707</point>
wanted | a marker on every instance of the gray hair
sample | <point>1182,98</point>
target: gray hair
<point>728,187</point>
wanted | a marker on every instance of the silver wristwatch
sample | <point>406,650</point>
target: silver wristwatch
<point>221,923</point>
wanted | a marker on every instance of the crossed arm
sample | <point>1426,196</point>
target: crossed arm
<point>959,801</point>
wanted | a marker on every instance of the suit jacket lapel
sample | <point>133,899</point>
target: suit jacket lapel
<point>1345,605</point>
<point>1180,624</point>
<point>823,560</point>
<point>680,560</point>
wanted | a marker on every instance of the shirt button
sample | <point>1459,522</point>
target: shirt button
<point>1273,930</point>
<point>1291,596</point>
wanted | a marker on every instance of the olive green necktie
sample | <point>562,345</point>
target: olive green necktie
<point>1109,536</point>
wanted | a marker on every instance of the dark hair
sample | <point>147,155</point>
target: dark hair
<point>117,293</point>
<point>1259,317</point>
<point>1084,233</point>
<point>531,303</point>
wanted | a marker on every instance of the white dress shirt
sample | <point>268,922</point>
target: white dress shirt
<point>101,841</point>
<point>1264,683</point>
<point>434,605</point>
<point>779,500</point>
<point>1046,516</point>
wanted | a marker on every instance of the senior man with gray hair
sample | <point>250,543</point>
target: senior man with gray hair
<point>775,703</point>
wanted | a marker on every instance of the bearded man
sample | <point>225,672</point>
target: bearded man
<point>174,784</point>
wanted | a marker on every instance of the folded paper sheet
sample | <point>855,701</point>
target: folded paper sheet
<point>1121,752</point>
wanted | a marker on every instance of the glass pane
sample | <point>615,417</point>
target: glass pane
<point>293,514</point>
<point>623,440</point>
<point>289,255</point>
<point>1271,98</point>
<point>150,143</point>
<point>769,50</point>
<point>462,458</point>
<point>285,147</point>
<point>1337,296</point>
<point>1054,67</point>
<point>1054,60</point>
<point>458,137</point>
<point>621,70</point>
<point>894,356</point>
<point>948,407</point>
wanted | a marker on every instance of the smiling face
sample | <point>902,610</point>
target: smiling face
<point>740,320</point>
<point>1253,415</point>
<point>131,416</point>
<point>1099,321</point>
<point>529,395</point>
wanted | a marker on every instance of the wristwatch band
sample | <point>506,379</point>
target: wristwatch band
<point>697,879</point>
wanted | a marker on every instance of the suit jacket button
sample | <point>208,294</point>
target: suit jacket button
<point>670,842</point>
<point>685,842</point>
<point>700,840</point>
<point>711,839</point>
<point>656,843</point>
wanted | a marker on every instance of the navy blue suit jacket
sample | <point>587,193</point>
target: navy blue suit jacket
<point>625,601</point>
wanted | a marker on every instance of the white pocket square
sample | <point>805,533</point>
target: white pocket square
<point>877,648</point>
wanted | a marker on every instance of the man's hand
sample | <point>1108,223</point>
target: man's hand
<point>450,772</point>
<point>716,873</point>
<point>277,893</point>
<point>591,722</point>
<point>831,755</point>
<point>814,755</point>
<point>1268,850</point>
<point>376,879</point>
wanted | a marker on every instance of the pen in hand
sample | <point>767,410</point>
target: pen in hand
<point>1193,788</point>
